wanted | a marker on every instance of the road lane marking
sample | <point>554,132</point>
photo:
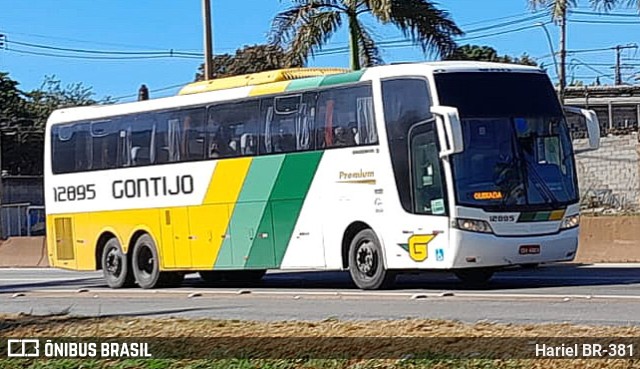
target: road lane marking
<point>347,294</point>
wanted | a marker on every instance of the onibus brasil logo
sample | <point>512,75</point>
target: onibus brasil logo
<point>34,348</point>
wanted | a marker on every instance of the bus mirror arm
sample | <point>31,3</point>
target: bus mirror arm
<point>449,130</point>
<point>593,125</point>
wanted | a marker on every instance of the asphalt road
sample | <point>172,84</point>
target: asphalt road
<point>604,294</point>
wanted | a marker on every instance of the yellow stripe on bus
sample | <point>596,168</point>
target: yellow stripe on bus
<point>271,88</point>
<point>226,181</point>
<point>209,223</point>
<point>556,215</point>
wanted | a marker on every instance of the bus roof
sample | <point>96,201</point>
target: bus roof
<point>271,82</point>
<point>258,79</point>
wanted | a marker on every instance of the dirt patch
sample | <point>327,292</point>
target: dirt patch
<point>24,252</point>
<point>609,239</point>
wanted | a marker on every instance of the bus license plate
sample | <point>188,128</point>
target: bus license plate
<point>529,250</point>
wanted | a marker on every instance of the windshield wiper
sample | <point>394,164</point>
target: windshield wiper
<point>544,190</point>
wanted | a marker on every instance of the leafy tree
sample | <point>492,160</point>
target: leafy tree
<point>23,118</point>
<point>249,59</point>
<point>487,53</point>
<point>309,24</point>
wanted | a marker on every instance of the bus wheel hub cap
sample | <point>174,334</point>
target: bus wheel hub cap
<point>365,258</point>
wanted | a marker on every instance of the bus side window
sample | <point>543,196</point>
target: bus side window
<point>345,117</point>
<point>232,129</point>
<point>161,140</point>
<point>428,187</point>
<point>406,102</point>
<point>105,142</point>
<point>193,124</point>
<point>281,116</point>
<point>69,147</point>
<point>141,139</point>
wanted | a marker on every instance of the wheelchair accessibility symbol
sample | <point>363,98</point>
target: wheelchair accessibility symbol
<point>439,255</point>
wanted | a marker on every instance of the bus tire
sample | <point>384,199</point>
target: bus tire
<point>474,277</point>
<point>145,262</point>
<point>366,263</point>
<point>115,266</point>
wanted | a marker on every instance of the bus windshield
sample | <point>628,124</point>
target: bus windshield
<point>517,151</point>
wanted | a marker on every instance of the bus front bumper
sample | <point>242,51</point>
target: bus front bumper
<point>477,250</point>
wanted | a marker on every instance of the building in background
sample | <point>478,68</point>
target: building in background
<point>610,177</point>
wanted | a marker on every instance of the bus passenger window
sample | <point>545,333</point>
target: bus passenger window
<point>106,142</point>
<point>345,117</point>
<point>140,132</point>
<point>70,145</point>
<point>195,136</point>
<point>231,129</point>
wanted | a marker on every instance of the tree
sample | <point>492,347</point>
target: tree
<point>249,59</point>
<point>309,24</point>
<point>23,118</point>
<point>487,53</point>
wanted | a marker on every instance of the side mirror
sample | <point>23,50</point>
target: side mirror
<point>449,130</point>
<point>593,125</point>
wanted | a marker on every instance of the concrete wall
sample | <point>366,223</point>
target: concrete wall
<point>609,239</point>
<point>609,178</point>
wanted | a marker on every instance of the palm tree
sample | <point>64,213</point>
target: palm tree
<point>305,27</point>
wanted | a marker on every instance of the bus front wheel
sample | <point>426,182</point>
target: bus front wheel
<point>366,264</point>
<point>115,267</point>
<point>145,262</point>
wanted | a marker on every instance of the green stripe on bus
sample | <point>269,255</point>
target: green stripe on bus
<point>526,217</point>
<point>244,225</point>
<point>304,83</point>
<point>535,216</point>
<point>542,216</point>
<point>286,200</point>
<point>336,79</point>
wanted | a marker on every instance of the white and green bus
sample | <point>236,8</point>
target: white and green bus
<point>460,166</point>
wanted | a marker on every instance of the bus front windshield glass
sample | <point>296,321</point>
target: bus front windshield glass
<point>517,149</point>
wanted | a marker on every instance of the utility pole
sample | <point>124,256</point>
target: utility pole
<point>618,67</point>
<point>563,54</point>
<point>618,74</point>
<point>208,40</point>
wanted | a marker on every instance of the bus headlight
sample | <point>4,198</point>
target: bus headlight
<point>472,225</point>
<point>571,221</point>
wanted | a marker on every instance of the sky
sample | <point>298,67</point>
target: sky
<point>105,28</point>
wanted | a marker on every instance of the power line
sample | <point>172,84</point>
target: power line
<point>86,57</point>
<point>624,15</point>
<point>154,90</point>
<point>506,24</point>
<point>499,18</point>
<point>102,52</point>
<point>603,22</point>
<point>401,43</point>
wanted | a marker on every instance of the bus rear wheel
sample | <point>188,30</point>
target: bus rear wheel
<point>366,264</point>
<point>115,267</point>
<point>145,262</point>
<point>474,277</point>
